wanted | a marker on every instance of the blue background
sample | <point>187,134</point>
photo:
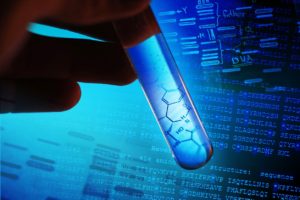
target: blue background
<point>110,147</point>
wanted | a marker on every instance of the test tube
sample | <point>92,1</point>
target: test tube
<point>169,99</point>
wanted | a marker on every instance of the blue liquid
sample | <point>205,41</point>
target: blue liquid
<point>170,102</point>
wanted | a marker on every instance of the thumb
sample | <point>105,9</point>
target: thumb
<point>38,95</point>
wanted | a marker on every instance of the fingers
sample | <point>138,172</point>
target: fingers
<point>136,29</point>
<point>95,11</point>
<point>59,63</point>
<point>37,95</point>
<point>75,60</point>
<point>130,31</point>
<point>104,31</point>
<point>15,17</point>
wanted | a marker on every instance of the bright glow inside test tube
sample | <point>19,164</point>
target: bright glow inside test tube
<point>170,102</point>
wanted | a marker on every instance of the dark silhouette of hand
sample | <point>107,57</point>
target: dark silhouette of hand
<point>40,74</point>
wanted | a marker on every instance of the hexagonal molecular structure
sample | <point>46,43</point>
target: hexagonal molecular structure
<point>166,123</point>
<point>177,112</point>
<point>190,145</point>
<point>172,140</point>
<point>189,151</point>
<point>161,109</point>
<point>180,134</point>
<point>195,137</point>
<point>173,96</point>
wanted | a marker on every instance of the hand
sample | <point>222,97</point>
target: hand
<point>40,74</point>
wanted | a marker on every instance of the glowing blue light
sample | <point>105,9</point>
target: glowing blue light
<point>50,31</point>
<point>170,102</point>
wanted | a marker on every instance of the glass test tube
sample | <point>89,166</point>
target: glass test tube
<point>170,101</point>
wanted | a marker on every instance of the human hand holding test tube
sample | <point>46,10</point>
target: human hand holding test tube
<point>167,95</point>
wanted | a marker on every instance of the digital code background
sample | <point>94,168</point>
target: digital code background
<point>241,63</point>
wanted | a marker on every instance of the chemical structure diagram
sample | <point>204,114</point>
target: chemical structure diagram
<point>177,122</point>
